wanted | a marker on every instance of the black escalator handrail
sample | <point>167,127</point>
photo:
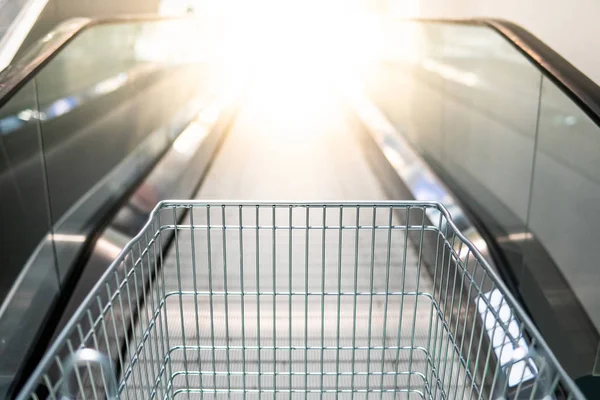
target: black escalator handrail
<point>580,88</point>
<point>21,71</point>
<point>574,83</point>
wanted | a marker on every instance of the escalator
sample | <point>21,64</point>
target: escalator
<point>89,146</point>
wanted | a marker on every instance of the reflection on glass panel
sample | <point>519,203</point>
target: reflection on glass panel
<point>28,283</point>
<point>490,113</point>
<point>110,103</point>
<point>565,208</point>
<point>468,100</point>
<point>409,95</point>
<point>489,160</point>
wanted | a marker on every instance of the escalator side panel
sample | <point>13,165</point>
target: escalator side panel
<point>25,216</point>
<point>75,141</point>
<point>520,155</point>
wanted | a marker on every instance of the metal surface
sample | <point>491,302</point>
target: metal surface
<point>313,271</point>
<point>243,329</point>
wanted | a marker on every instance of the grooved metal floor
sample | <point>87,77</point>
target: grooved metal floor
<point>302,149</point>
<point>328,313</point>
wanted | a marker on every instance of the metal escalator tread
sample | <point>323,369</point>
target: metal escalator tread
<point>304,152</point>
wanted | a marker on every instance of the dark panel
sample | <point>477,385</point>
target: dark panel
<point>564,219</point>
<point>106,116</point>
<point>23,197</point>
<point>123,131</point>
<point>29,281</point>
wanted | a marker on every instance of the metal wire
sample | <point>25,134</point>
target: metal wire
<point>320,300</point>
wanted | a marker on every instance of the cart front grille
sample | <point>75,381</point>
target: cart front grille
<point>360,301</point>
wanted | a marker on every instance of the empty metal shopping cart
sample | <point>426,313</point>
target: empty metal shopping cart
<point>272,300</point>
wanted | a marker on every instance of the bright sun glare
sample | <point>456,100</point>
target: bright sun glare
<point>295,44</point>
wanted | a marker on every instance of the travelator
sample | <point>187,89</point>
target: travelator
<point>102,119</point>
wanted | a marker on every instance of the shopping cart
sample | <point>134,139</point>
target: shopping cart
<point>331,300</point>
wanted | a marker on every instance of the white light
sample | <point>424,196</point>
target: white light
<point>449,72</point>
<point>110,250</point>
<point>60,107</point>
<point>480,244</point>
<point>520,237</point>
<point>502,338</point>
<point>62,237</point>
<point>210,114</point>
<point>26,115</point>
<point>111,84</point>
<point>187,142</point>
<point>570,120</point>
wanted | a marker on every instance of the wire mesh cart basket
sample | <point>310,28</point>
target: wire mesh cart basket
<point>307,300</point>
